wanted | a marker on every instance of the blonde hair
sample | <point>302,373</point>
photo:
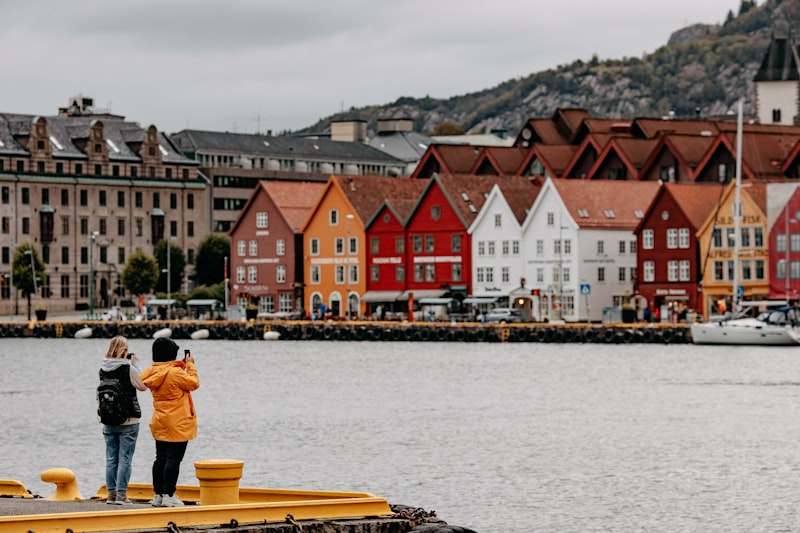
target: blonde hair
<point>118,349</point>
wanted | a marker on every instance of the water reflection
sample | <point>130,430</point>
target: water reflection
<point>510,438</point>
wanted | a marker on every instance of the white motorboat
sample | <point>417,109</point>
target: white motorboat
<point>770,328</point>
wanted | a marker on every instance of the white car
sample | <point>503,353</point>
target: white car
<point>503,314</point>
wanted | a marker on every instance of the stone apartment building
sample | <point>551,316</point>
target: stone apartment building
<point>84,178</point>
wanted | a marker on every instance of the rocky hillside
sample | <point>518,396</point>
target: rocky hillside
<point>702,70</point>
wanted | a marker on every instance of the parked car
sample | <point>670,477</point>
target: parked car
<point>503,314</point>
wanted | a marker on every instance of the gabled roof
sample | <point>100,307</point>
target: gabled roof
<point>519,195</point>
<point>594,126</point>
<point>763,154</point>
<point>367,193</point>
<point>756,191</point>
<point>402,201</point>
<point>503,160</point>
<point>553,158</point>
<point>293,199</point>
<point>466,193</point>
<point>542,131</point>
<point>632,152</point>
<point>687,149</point>
<point>606,203</point>
<point>650,128</point>
<point>569,119</point>
<point>446,159</point>
<point>594,143</point>
<point>695,200</point>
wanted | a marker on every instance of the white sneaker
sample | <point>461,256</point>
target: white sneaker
<point>170,501</point>
<point>157,499</point>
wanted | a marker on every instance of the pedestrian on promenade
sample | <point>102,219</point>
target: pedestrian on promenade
<point>120,373</point>
<point>174,421</point>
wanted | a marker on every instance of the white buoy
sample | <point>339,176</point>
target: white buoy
<point>271,335</point>
<point>163,332</point>
<point>199,334</point>
<point>83,333</point>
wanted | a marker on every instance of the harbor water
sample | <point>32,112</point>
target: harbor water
<point>494,437</point>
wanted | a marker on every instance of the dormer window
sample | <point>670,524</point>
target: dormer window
<point>776,116</point>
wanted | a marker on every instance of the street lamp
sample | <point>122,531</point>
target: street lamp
<point>348,218</point>
<point>92,235</point>
<point>33,274</point>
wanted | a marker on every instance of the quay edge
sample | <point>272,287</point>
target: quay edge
<point>636,333</point>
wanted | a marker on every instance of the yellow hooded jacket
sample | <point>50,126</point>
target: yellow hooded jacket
<point>174,418</point>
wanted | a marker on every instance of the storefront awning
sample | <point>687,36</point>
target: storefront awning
<point>200,302</point>
<point>475,300</point>
<point>435,301</point>
<point>161,301</point>
<point>380,296</point>
<point>418,294</point>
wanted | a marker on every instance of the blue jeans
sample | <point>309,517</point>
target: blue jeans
<point>120,445</point>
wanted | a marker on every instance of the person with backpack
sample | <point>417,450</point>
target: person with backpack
<point>119,412</point>
<point>174,421</point>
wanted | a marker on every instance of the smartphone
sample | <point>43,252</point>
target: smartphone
<point>186,354</point>
<point>130,354</point>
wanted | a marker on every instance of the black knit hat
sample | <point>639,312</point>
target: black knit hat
<point>164,349</point>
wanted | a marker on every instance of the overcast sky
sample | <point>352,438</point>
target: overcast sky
<point>284,64</point>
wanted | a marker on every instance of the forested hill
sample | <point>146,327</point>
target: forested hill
<point>703,68</point>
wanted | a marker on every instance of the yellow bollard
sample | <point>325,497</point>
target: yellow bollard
<point>66,486</point>
<point>219,480</point>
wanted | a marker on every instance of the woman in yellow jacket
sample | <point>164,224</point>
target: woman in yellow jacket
<point>174,421</point>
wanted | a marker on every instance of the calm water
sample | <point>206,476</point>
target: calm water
<point>506,438</point>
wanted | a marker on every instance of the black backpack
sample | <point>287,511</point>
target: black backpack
<point>111,404</point>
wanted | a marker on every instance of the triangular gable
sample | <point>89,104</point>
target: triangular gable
<point>547,189</point>
<point>722,146</point>
<point>499,161</point>
<point>630,152</point>
<point>329,186</point>
<point>687,150</point>
<point>554,159</point>
<point>542,131</point>
<point>695,201</point>
<point>584,157</point>
<point>446,159</point>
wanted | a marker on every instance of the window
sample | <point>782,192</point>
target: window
<point>84,255</point>
<point>102,198</point>
<point>65,255</point>
<point>138,198</point>
<point>418,272</point>
<point>747,270</point>
<point>83,289</point>
<point>480,275</point>
<point>156,199</point>
<point>315,274</point>
<point>121,255</point>
<point>455,242</point>
<point>633,273</point>
<point>252,274</point>
<point>26,195</point>
<point>314,246</point>
<point>374,245</point>
<point>601,247</point>
<point>731,237</point>
<point>760,269</point>
<point>794,242</point>
<point>241,246</point>
<point>375,273</point>
<point>504,248</point>
<point>490,248</point>
<point>139,227</point>
<point>498,221</point>
<point>489,275</point>
<point>285,302</point>
<point>622,247</point>
<point>430,272</point>
<point>436,212</point>
<point>84,226</point>
<point>353,273</point>
<point>456,272</point>
<point>719,270</point>
<point>353,245</point>
<point>557,247</point>
<point>745,235</point>
<point>280,247</point>
<point>601,274</point>
<point>173,228</point>
<point>5,195</point>
<point>672,270</point>
<point>649,270</point>
<point>253,248</point>
<point>399,245</point>
<point>333,217</point>
<point>26,225</point>
<point>190,256</point>
<point>776,116</point>
<point>672,238</point>
<point>173,201</point>
<point>120,198</point>
<point>64,286</point>
<point>684,270</point>
<point>540,275</point>
<point>104,254</point>
<point>716,238</point>
<point>481,247</point>
<point>417,243</point>
<point>504,274</point>
<point>102,226</point>
<point>339,274</point>
<point>6,224</point>
<point>621,274</point>
<point>262,220</point>
<point>338,245</point>
<point>266,304</point>
<point>189,200</point>
<point>121,226</point>
<point>551,219</point>
<point>632,247</point>
<point>515,247</point>
<point>758,237</point>
<point>400,273</point>
<point>190,228</point>
<point>429,244</point>
<point>239,274</point>
<point>647,239</point>
<point>539,246</point>
<point>780,242</point>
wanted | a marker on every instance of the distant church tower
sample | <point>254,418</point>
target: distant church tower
<point>778,84</point>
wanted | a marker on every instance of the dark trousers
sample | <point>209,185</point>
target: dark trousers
<point>167,466</point>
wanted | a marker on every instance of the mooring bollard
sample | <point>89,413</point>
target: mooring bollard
<point>66,486</point>
<point>219,480</point>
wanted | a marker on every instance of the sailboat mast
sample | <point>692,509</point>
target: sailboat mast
<point>737,211</point>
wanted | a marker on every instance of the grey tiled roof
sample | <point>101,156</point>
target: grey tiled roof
<point>405,145</point>
<point>276,146</point>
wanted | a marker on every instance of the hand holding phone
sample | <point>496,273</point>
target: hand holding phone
<point>187,356</point>
<point>130,355</point>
